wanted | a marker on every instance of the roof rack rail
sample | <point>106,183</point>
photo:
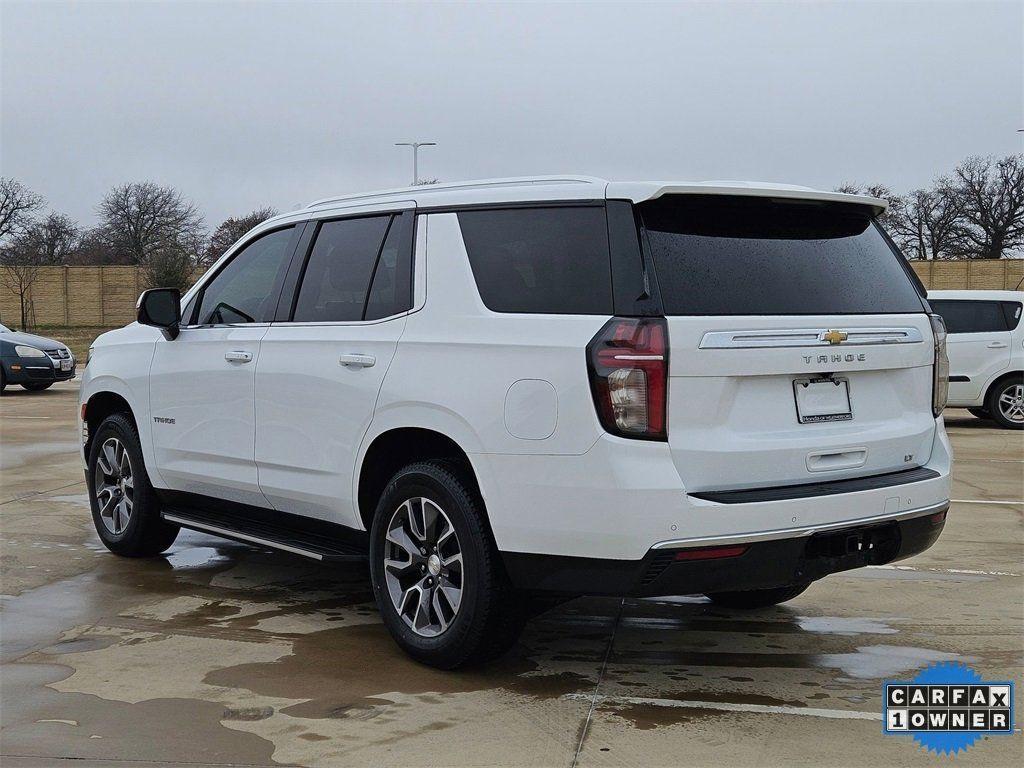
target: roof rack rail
<point>447,186</point>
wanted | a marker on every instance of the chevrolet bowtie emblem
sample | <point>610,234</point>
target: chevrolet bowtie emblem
<point>834,337</point>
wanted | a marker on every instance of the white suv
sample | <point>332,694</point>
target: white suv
<point>986,352</point>
<point>560,385</point>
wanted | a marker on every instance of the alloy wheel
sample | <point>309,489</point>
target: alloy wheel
<point>114,483</point>
<point>423,566</point>
<point>1011,403</point>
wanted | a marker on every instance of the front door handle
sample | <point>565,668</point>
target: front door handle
<point>238,356</point>
<point>997,345</point>
<point>357,361</point>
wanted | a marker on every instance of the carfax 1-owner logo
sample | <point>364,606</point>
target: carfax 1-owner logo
<point>948,707</point>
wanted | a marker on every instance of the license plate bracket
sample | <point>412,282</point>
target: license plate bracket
<point>822,399</point>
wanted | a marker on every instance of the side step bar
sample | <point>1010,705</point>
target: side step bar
<point>317,546</point>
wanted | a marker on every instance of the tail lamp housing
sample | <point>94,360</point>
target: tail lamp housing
<point>940,369</point>
<point>628,365</point>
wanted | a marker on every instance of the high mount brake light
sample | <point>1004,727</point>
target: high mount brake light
<point>628,365</point>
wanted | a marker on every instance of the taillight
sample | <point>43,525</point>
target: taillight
<point>940,369</point>
<point>628,365</point>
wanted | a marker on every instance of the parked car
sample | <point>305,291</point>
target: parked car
<point>35,362</point>
<point>557,385</point>
<point>986,352</point>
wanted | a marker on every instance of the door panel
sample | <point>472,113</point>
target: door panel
<point>315,394</point>
<point>203,411</point>
<point>979,356</point>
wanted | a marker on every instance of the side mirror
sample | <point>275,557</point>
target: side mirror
<point>161,308</point>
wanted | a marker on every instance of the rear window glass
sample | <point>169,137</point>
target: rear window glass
<point>970,316</point>
<point>1012,312</point>
<point>543,260</point>
<point>747,256</point>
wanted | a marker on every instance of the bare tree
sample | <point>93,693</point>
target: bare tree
<point>18,278</point>
<point>17,204</point>
<point>229,232</point>
<point>50,241</point>
<point>143,219</point>
<point>930,228</point>
<point>990,194</point>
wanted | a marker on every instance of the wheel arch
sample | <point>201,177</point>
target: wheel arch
<point>99,406</point>
<point>393,449</point>
<point>1002,377</point>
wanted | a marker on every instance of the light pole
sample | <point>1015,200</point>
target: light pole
<point>415,156</point>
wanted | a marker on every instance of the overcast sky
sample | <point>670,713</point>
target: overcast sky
<point>243,104</point>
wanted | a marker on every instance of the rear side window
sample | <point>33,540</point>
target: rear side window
<point>971,316</point>
<point>1011,311</point>
<point>717,255</point>
<point>543,260</point>
<point>391,289</point>
<point>340,267</point>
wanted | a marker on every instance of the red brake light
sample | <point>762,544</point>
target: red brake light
<point>628,365</point>
<point>711,553</point>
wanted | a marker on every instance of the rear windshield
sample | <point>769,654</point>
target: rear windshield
<point>748,256</point>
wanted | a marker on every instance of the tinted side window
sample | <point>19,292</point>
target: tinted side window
<point>391,290</point>
<point>338,274</point>
<point>247,289</point>
<point>970,316</point>
<point>1012,312</point>
<point>718,255</point>
<point>545,260</point>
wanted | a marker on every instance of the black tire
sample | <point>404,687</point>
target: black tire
<point>981,413</point>
<point>37,386</point>
<point>145,534</point>
<point>491,614</point>
<point>1007,387</point>
<point>756,598</point>
<point>3,379</point>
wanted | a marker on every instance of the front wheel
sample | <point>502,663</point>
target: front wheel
<point>756,598</point>
<point>37,386</point>
<point>125,509</point>
<point>1006,403</point>
<point>436,573</point>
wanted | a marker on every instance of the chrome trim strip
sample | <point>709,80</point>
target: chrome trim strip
<point>807,337</point>
<point>231,534</point>
<point>795,533</point>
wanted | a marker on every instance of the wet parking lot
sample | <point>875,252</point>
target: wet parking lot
<point>219,653</point>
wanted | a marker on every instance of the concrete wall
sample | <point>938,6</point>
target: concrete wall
<point>77,296</point>
<point>83,296</point>
<point>1005,274</point>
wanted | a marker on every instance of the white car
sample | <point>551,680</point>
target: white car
<point>555,385</point>
<point>985,343</point>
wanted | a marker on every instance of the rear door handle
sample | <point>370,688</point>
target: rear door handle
<point>358,361</point>
<point>997,345</point>
<point>238,356</point>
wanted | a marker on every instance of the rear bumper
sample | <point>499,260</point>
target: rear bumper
<point>624,498</point>
<point>798,557</point>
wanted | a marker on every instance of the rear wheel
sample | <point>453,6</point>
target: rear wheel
<point>436,573</point>
<point>125,509</point>
<point>37,386</point>
<point>756,598</point>
<point>1006,403</point>
<point>981,413</point>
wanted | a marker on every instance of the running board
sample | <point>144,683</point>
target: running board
<point>263,533</point>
